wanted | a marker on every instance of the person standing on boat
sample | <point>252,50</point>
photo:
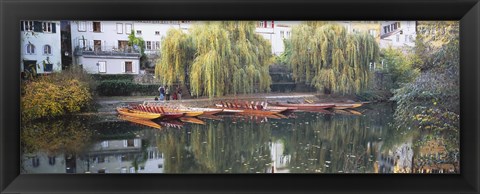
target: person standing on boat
<point>167,92</point>
<point>161,89</point>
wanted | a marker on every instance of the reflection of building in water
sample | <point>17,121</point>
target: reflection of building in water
<point>280,160</point>
<point>113,156</point>
<point>396,160</point>
<point>110,156</point>
<point>124,156</point>
<point>44,163</point>
<point>433,158</point>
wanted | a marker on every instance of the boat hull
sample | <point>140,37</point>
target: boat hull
<point>138,114</point>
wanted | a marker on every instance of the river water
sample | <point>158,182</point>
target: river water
<point>324,142</point>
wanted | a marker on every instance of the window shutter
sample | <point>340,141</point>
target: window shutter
<point>37,26</point>
<point>134,68</point>
<point>90,26</point>
<point>22,26</point>
<point>125,143</point>
<point>101,27</point>
<point>123,66</point>
<point>135,142</point>
<point>54,27</point>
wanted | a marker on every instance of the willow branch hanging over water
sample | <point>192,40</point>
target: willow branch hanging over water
<point>218,57</point>
<point>330,59</point>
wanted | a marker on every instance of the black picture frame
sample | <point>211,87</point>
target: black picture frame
<point>12,11</point>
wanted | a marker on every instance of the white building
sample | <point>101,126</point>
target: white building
<point>102,47</point>
<point>397,34</point>
<point>40,47</point>
<point>275,32</point>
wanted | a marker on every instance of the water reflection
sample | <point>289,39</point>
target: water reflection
<point>304,143</point>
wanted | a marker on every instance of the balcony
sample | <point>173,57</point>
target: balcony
<point>102,51</point>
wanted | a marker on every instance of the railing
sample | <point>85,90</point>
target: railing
<point>107,51</point>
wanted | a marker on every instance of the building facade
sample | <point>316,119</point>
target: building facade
<point>102,47</point>
<point>40,47</point>
<point>398,34</point>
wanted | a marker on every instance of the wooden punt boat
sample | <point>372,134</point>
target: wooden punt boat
<point>165,114</point>
<point>307,106</point>
<point>187,112</point>
<point>341,106</point>
<point>138,113</point>
<point>192,120</point>
<point>249,108</point>
<point>148,123</point>
<point>207,111</point>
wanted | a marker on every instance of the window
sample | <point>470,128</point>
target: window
<point>82,26</point>
<point>129,69</point>
<point>128,28</point>
<point>101,159</point>
<point>28,25</point>
<point>139,32</point>
<point>47,50</point>
<point>51,160</point>
<point>149,45</point>
<point>119,28</point>
<point>123,170</point>
<point>102,68</point>
<point>132,169</point>
<point>160,165</point>
<point>261,24</point>
<point>282,34</point>
<point>47,27</point>
<point>97,27</point>
<point>288,34</point>
<point>130,143</point>
<point>157,45</point>
<point>385,29</point>
<point>157,33</point>
<point>35,161</point>
<point>398,37</point>
<point>30,49</point>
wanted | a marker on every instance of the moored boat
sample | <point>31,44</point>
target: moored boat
<point>159,110</point>
<point>341,106</point>
<point>207,111</point>
<point>138,113</point>
<point>307,106</point>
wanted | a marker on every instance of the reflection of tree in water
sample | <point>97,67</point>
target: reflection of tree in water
<point>335,143</point>
<point>54,137</point>
<point>332,145</point>
<point>217,147</point>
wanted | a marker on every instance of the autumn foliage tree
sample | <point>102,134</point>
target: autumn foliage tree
<point>55,95</point>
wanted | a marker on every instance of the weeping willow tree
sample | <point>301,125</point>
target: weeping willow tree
<point>330,59</point>
<point>218,57</point>
<point>175,57</point>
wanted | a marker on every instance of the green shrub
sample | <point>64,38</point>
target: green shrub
<point>125,88</point>
<point>100,77</point>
